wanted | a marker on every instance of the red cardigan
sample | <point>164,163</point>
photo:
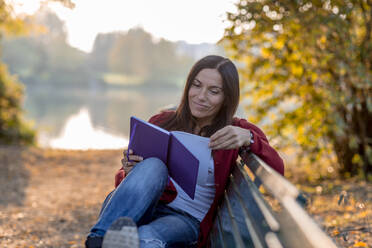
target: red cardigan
<point>224,160</point>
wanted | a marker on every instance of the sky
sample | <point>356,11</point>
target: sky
<point>194,21</point>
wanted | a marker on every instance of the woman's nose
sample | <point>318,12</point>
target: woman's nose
<point>202,95</point>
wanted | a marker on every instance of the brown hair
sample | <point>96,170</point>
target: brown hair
<point>183,120</point>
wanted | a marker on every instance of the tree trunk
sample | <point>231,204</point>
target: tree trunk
<point>345,156</point>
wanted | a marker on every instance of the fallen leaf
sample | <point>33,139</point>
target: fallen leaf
<point>360,244</point>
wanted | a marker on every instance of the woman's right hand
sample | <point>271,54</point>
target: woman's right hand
<point>133,160</point>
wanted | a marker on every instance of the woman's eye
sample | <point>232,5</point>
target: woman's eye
<point>215,92</point>
<point>196,84</point>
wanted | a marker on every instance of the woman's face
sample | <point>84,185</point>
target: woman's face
<point>206,96</point>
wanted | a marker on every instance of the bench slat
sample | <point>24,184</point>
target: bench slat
<point>272,180</point>
<point>263,206</point>
<point>256,238</point>
<point>235,229</point>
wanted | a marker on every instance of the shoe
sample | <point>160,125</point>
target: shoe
<point>121,234</point>
<point>94,242</point>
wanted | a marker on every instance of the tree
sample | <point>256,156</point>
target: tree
<point>308,64</point>
<point>135,53</point>
<point>45,58</point>
<point>130,53</point>
<point>13,128</point>
<point>100,53</point>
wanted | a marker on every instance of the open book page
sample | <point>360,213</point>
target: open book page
<point>198,146</point>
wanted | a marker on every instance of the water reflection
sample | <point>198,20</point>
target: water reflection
<point>105,113</point>
<point>79,133</point>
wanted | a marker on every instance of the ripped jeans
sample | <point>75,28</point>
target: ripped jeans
<point>137,197</point>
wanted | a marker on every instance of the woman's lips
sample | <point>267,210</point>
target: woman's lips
<point>201,106</point>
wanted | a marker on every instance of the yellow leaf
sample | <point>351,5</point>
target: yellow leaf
<point>323,39</point>
<point>278,62</point>
<point>356,159</point>
<point>279,44</point>
<point>314,76</point>
<point>272,116</point>
<point>363,214</point>
<point>296,69</point>
<point>349,208</point>
<point>360,244</point>
<point>265,53</point>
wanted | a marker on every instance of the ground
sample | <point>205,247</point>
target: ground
<point>50,198</point>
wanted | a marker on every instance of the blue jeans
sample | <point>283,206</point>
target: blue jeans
<point>137,197</point>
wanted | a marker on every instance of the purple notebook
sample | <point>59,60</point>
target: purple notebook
<point>148,140</point>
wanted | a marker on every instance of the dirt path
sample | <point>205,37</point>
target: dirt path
<point>50,198</point>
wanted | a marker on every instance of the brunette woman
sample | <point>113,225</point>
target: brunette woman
<point>148,208</point>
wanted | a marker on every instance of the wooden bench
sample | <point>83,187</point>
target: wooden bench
<point>246,219</point>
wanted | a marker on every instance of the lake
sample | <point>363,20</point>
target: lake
<point>92,119</point>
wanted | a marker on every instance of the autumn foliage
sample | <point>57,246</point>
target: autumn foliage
<point>13,129</point>
<point>307,67</point>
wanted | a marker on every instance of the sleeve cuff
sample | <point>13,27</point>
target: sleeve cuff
<point>245,149</point>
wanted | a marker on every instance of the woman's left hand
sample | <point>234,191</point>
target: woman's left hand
<point>230,137</point>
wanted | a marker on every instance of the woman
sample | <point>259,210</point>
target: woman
<point>164,214</point>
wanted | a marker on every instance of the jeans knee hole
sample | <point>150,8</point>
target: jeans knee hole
<point>157,242</point>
